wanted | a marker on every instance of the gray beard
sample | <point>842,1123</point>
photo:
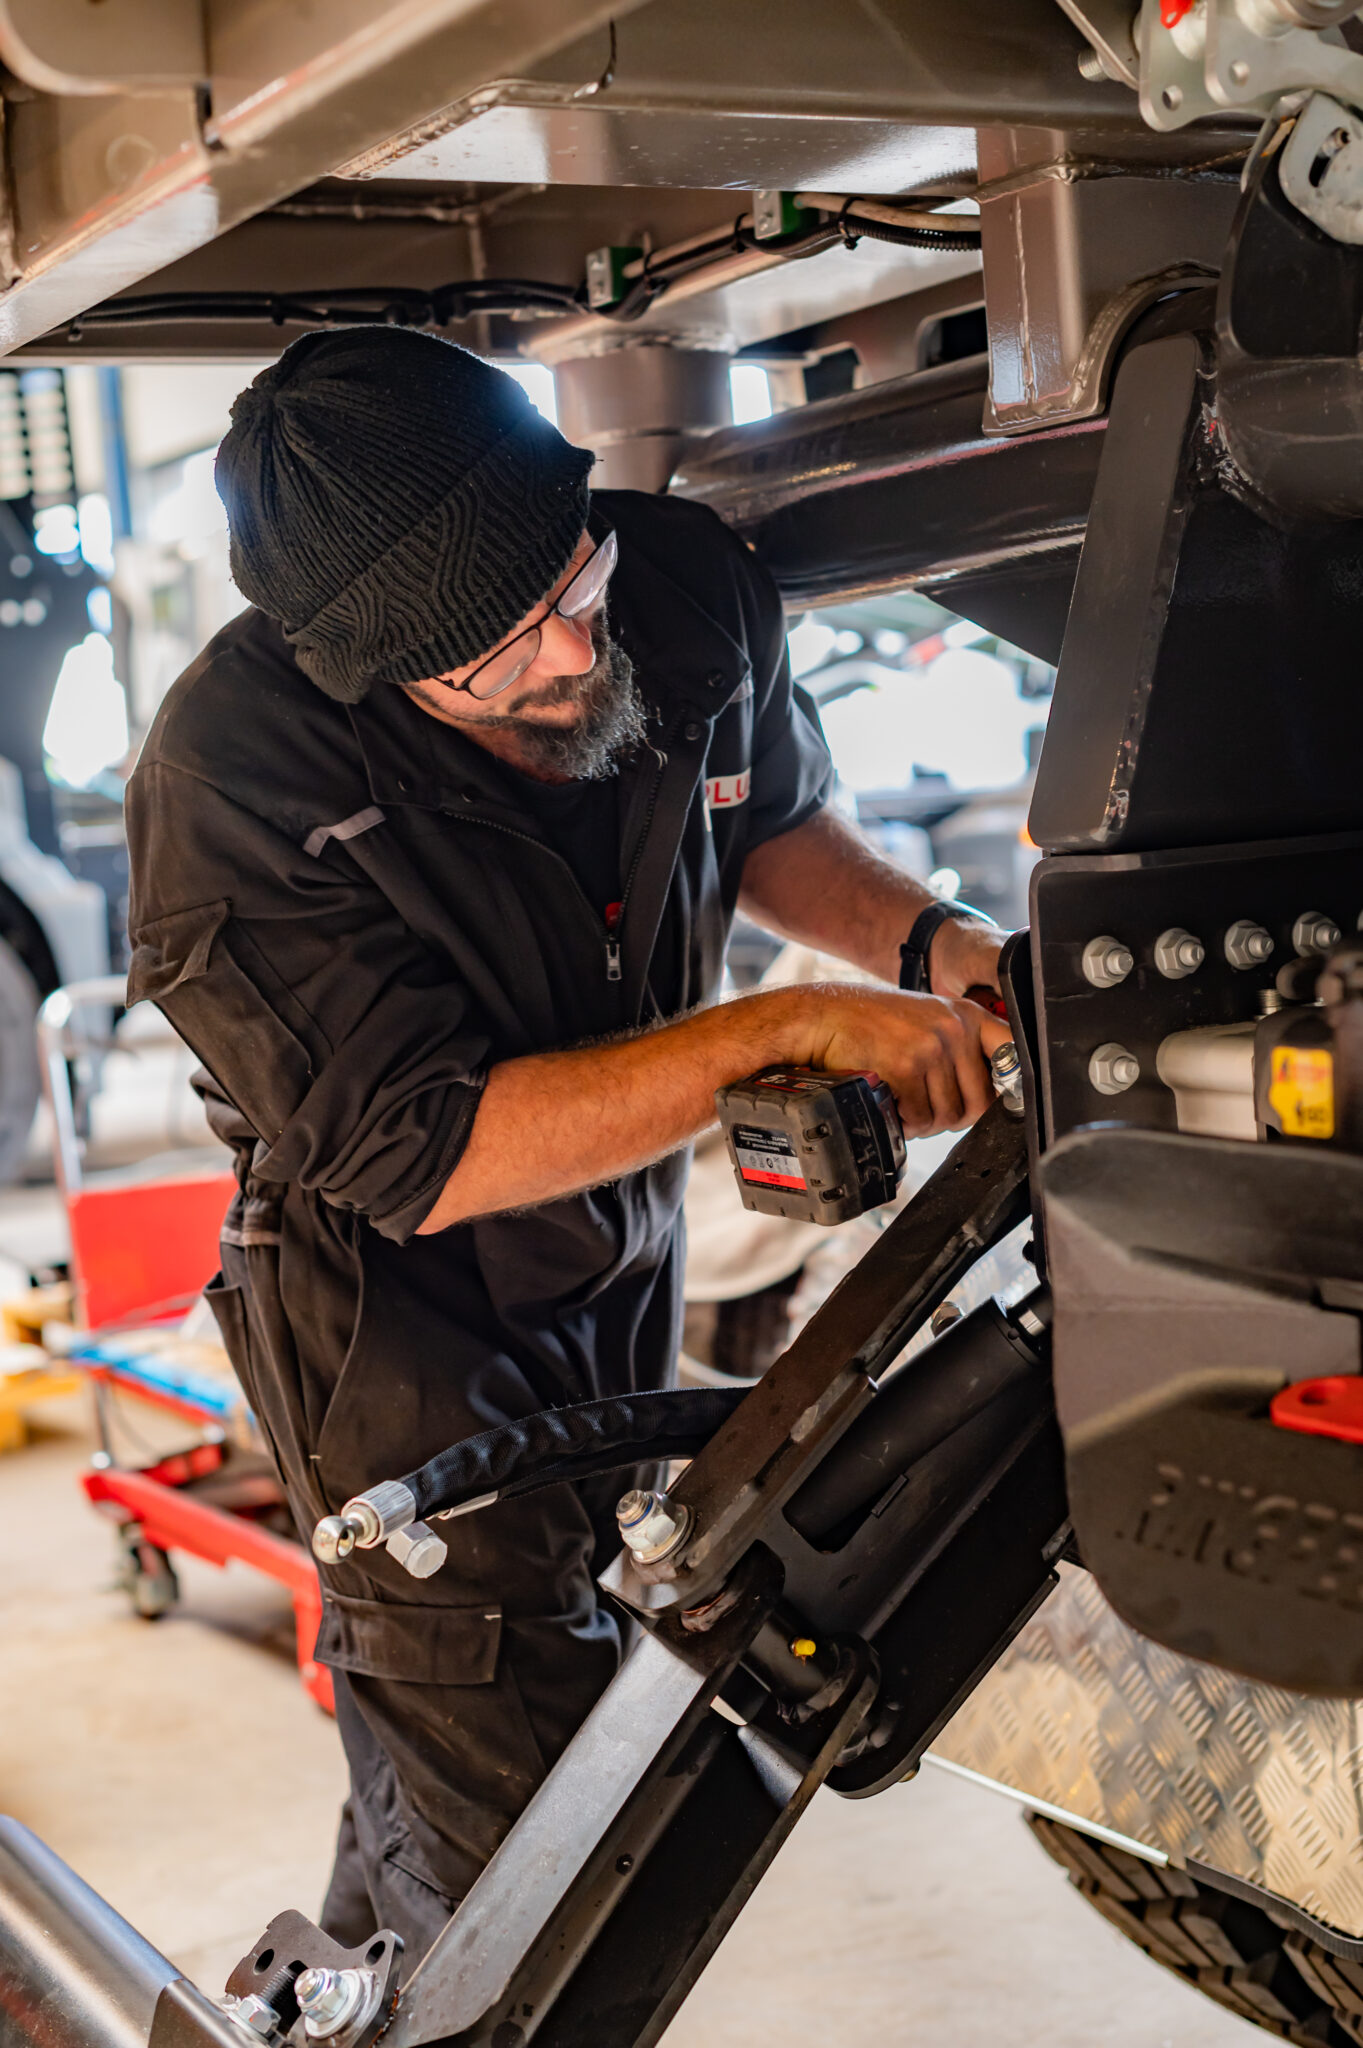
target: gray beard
<point>613,719</point>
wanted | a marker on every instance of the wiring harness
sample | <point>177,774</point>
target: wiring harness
<point>834,219</point>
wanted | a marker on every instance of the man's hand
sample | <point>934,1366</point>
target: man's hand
<point>933,1053</point>
<point>965,954</point>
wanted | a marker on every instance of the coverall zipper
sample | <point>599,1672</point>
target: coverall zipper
<point>611,927</point>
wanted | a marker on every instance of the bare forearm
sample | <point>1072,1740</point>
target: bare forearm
<point>824,885</point>
<point>555,1122</point>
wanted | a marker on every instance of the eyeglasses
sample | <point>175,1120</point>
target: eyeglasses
<point>580,600</point>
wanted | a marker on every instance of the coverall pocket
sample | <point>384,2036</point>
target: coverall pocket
<point>229,1313</point>
<point>203,971</point>
<point>414,1643</point>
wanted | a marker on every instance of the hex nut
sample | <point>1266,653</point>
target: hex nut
<point>337,2002</point>
<point>1247,944</point>
<point>651,1526</point>
<point>1178,954</point>
<point>1112,1069</point>
<point>253,2013</point>
<point>417,1549</point>
<point>1106,961</point>
<point>1314,932</point>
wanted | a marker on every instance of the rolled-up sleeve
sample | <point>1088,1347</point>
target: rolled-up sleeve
<point>792,770</point>
<point>349,1048</point>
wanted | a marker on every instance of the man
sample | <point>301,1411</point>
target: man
<point>434,854</point>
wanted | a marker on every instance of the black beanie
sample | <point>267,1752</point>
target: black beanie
<point>396,503</point>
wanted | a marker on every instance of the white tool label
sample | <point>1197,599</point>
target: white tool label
<point>767,1158</point>
<point>722,792</point>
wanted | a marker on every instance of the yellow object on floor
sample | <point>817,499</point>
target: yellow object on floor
<point>23,1315</point>
<point>22,1383</point>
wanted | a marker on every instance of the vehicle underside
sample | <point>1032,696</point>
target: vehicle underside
<point>1061,304</point>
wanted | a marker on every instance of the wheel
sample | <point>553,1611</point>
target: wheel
<point>1230,1950</point>
<point>19,1073</point>
<point>148,1576</point>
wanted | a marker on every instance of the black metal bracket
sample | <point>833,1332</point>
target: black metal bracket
<point>795,1414</point>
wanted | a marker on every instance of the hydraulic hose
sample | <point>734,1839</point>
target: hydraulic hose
<point>569,1443</point>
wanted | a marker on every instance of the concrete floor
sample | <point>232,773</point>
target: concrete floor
<point>182,1771</point>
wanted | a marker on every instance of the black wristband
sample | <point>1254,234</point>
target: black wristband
<point>913,954</point>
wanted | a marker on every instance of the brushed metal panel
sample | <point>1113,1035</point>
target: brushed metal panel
<point>1091,1717</point>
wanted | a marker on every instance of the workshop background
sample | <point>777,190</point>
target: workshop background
<point>181,1768</point>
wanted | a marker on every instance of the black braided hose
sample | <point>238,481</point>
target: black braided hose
<point>570,1443</point>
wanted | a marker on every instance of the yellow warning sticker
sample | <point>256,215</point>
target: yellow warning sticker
<point>1302,1091</point>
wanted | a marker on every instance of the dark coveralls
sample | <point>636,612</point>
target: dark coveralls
<point>350,913</point>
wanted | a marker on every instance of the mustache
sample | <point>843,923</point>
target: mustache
<point>612,720</point>
<point>563,689</point>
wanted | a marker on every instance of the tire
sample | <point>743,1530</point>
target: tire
<point>1234,1952</point>
<point>20,1084</point>
<point>148,1577</point>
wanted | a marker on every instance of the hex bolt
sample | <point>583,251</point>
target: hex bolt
<point>944,1317</point>
<point>253,2013</point>
<point>1247,944</point>
<point>331,2000</point>
<point>1112,1069</point>
<point>1178,954</point>
<point>1106,961</point>
<point>651,1526</point>
<point>417,1549</point>
<point>1314,932</point>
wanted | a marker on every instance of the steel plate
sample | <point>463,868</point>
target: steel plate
<point>1094,1719</point>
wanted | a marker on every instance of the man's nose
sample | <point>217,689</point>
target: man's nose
<point>566,647</point>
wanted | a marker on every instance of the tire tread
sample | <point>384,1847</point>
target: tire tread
<point>1233,1952</point>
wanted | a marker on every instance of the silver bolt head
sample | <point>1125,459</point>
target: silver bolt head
<point>1106,961</point>
<point>1112,1069</point>
<point>332,2001</point>
<point>253,2012</point>
<point>311,1985</point>
<point>1178,954</point>
<point>333,1539</point>
<point>1313,932</point>
<point>650,1526</point>
<point>944,1317</point>
<point>417,1549</point>
<point>1247,944</point>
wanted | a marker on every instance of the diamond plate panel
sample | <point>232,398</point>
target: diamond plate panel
<point>1265,1785</point>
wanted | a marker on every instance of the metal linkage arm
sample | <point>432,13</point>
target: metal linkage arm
<point>797,1412</point>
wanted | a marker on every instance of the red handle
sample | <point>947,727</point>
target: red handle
<point>988,999</point>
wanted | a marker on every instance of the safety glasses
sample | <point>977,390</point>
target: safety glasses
<point>581,600</point>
